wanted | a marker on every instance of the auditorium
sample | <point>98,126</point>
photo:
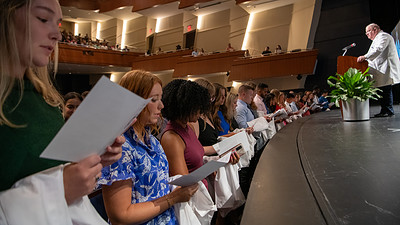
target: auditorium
<point>200,112</point>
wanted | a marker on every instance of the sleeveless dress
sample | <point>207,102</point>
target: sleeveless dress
<point>194,151</point>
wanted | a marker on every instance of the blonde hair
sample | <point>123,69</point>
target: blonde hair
<point>141,83</point>
<point>10,58</point>
<point>228,112</point>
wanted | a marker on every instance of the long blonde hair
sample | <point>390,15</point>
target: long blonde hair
<point>10,59</point>
<point>228,112</point>
<point>141,83</point>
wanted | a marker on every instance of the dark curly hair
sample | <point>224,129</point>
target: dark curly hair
<point>184,98</point>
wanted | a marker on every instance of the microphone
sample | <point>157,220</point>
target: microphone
<point>349,46</point>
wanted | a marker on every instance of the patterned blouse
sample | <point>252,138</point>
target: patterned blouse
<point>147,166</point>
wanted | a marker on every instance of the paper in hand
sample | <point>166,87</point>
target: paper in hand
<point>105,113</point>
<point>201,172</point>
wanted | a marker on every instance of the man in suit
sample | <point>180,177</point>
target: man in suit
<point>385,65</point>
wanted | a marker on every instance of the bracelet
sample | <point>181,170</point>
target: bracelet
<point>168,201</point>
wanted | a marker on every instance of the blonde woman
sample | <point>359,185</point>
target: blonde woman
<point>30,117</point>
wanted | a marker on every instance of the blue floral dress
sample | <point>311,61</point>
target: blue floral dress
<point>147,166</point>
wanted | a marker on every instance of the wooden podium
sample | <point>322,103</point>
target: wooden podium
<point>346,62</point>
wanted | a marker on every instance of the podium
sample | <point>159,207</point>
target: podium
<point>346,62</point>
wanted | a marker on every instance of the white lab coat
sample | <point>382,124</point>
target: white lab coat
<point>39,199</point>
<point>383,59</point>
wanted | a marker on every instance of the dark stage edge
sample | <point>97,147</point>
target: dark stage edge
<point>321,170</point>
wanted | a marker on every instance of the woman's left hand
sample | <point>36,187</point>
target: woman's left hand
<point>113,152</point>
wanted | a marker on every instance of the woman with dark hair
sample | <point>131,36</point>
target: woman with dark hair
<point>184,101</point>
<point>135,189</point>
<point>269,103</point>
<point>72,101</point>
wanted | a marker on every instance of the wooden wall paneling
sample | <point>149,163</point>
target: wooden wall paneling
<point>89,56</point>
<point>286,64</point>
<point>219,62</point>
<point>80,4</point>
<point>165,61</point>
<point>106,5</point>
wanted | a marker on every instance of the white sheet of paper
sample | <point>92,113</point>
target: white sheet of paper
<point>201,172</point>
<point>232,141</point>
<point>104,114</point>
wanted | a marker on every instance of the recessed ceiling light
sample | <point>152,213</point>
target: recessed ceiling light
<point>121,7</point>
<point>97,10</point>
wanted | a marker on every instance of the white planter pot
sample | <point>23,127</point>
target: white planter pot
<point>355,110</point>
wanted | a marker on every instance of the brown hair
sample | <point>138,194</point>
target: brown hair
<point>141,83</point>
<point>214,108</point>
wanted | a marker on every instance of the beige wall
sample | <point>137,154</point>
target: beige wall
<point>214,32</point>
<point>299,32</point>
<point>108,31</point>
<point>270,28</point>
<point>93,31</point>
<point>135,36</point>
<point>189,19</point>
<point>67,26</point>
<point>170,33</point>
<point>84,28</point>
<point>238,21</point>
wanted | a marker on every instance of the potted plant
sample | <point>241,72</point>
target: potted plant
<point>353,89</point>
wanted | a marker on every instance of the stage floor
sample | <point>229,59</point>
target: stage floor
<point>321,170</point>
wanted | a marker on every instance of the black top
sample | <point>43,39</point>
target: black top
<point>207,135</point>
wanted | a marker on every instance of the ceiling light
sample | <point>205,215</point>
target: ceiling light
<point>121,7</point>
<point>97,10</point>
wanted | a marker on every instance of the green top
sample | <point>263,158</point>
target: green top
<point>21,147</point>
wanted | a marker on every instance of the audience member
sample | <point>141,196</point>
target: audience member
<point>228,110</point>
<point>252,105</point>
<point>278,49</point>
<point>25,133</point>
<point>72,101</point>
<point>230,48</point>
<point>266,51</point>
<point>221,124</point>
<point>262,91</point>
<point>159,51</point>
<point>243,112</point>
<point>247,54</point>
<point>194,52</point>
<point>202,52</point>
<point>323,101</point>
<point>269,103</point>
<point>84,94</point>
<point>135,189</point>
<point>184,101</point>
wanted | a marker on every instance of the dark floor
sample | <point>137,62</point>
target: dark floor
<point>321,170</point>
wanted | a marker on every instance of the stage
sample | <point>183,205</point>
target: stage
<point>321,170</point>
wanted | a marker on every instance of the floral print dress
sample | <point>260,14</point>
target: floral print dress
<point>146,164</point>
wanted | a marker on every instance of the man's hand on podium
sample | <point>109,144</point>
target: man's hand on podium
<point>361,59</point>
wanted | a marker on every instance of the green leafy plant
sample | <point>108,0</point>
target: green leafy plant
<point>352,84</point>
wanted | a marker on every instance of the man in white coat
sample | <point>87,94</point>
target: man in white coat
<point>385,65</point>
